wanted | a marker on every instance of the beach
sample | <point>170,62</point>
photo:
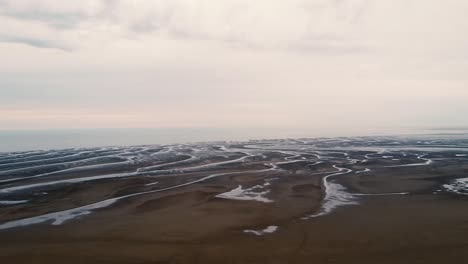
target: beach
<point>328,200</point>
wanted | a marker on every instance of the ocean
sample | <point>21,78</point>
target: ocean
<point>25,140</point>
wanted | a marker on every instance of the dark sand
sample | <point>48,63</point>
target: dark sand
<point>191,225</point>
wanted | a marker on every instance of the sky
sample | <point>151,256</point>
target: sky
<point>299,64</point>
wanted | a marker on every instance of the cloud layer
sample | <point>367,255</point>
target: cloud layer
<point>298,63</point>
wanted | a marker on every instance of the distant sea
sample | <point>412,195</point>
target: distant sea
<point>22,140</point>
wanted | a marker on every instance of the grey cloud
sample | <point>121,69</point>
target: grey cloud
<point>58,21</point>
<point>54,19</point>
<point>165,19</point>
<point>34,42</point>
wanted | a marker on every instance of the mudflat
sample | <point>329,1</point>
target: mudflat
<point>327,200</point>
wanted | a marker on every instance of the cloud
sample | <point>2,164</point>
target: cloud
<point>34,42</point>
<point>263,24</point>
<point>234,62</point>
<point>295,24</point>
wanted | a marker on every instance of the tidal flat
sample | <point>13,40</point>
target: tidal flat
<point>399,199</point>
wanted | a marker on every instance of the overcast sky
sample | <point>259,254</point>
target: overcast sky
<point>233,63</point>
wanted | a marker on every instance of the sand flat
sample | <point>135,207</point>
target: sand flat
<point>286,201</point>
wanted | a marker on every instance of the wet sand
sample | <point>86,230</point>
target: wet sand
<point>384,215</point>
